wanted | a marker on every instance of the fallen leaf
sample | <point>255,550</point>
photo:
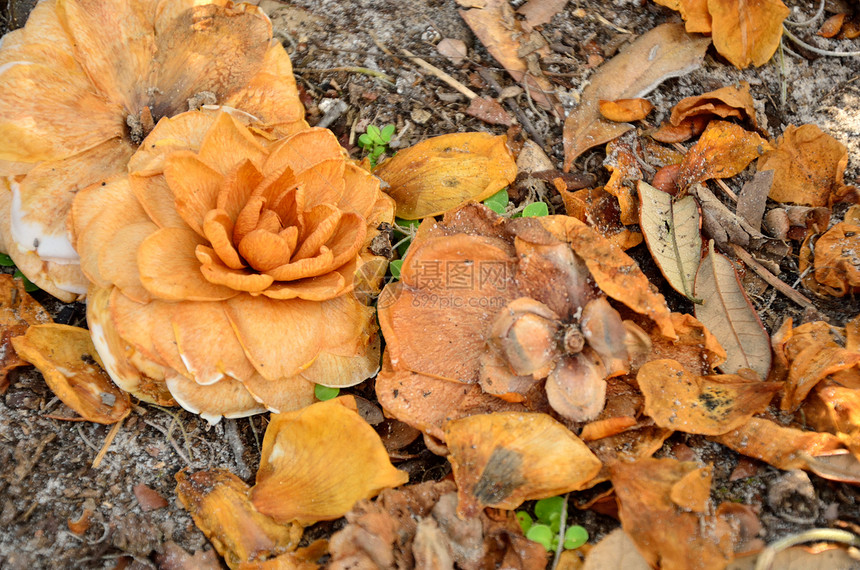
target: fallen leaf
<point>500,460</point>
<point>621,161</point>
<point>439,174</point>
<point>72,368</point>
<point>18,310</point>
<point>221,508</point>
<point>808,167</point>
<point>696,349</point>
<point>174,557</point>
<point>752,198</point>
<point>489,111</point>
<point>453,49</point>
<point>625,110</point>
<point>608,427</point>
<point>782,447</point>
<point>831,25</point>
<point>655,523</point>
<point>600,210</point>
<point>723,150</point>
<point>628,446</point>
<point>730,101</point>
<point>540,12</point>
<point>671,230</point>
<point>747,32</point>
<point>825,557</point>
<point>687,129</point>
<point>663,52</point>
<point>837,260</point>
<point>837,411</point>
<point>707,405</point>
<point>727,312</point>
<point>496,26</point>
<point>148,498</point>
<point>80,525</point>
<point>836,466</point>
<point>615,550</point>
<point>693,491</point>
<point>725,227</point>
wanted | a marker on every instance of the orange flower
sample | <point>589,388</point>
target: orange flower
<point>223,266</point>
<point>84,82</point>
<point>508,310</point>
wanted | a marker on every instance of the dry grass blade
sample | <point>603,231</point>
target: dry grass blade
<point>671,231</point>
<point>728,314</point>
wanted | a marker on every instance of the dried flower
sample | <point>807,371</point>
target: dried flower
<point>223,266</point>
<point>85,81</point>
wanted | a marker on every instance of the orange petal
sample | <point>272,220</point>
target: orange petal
<point>311,267</point>
<point>237,279</point>
<point>318,462</point>
<point>117,261</point>
<point>282,395</point>
<point>194,185</point>
<point>18,310</point>
<point>312,289</point>
<point>500,460</point>
<point>182,132</point>
<point>264,250</point>
<point>606,334</point>
<point>248,218</point>
<point>237,187</point>
<point>347,239</point>
<point>344,371</point>
<point>218,229</point>
<point>71,366</point>
<point>228,143</point>
<point>156,197</point>
<point>362,191</point>
<point>280,338</point>
<point>320,224</point>
<point>169,268</point>
<point>323,183</point>
<point>226,398</point>
<point>302,151</point>
<point>134,324</point>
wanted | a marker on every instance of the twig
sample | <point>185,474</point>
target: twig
<point>231,434</point>
<point>521,116</point>
<point>562,523</point>
<point>765,559</point>
<point>606,22</point>
<point>363,70</point>
<point>108,441</point>
<point>772,279</point>
<point>816,50</point>
<point>808,22</point>
<point>435,71</point>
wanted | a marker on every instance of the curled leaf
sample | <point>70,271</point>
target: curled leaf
<point>503,459</point>
<point>708,405</point>
<point>318,462</point>
<point>671,230</point>
<point>18,310</point>
<point>730,101</point>
<point>72,368</point>
<point>441,173</point>
<point>728,314</point>
<point>837,260</point>
<point>723,150</point>
<point>625,110</point>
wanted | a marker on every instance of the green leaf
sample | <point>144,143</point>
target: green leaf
<point>575,536</point>
<point>525,521</point>
<point>547,509</point>
<point>324,393</point>
<point>365,141</point>
<point>541,534</point>
<point>498,202</point>
<point>29,286</point>
<point>374,133</point>
<point>395,267</point>
<point>535,210</point>
<point>6,261</point>
<point>387,132</point>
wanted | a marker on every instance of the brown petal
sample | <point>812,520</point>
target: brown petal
<point>248,218</point>
<point>117,261</point>
<point>18,310</point>
<point>348,238</point>
<point>525,332</point>
<point>605,332</point>
<point>496,378</point>
<point>227,398</point>
<point>362,191</point>
<point>171,134</point>
<point>195,187</point>
<point>228,144</point>
<point>318,462</point>
<point>156,197</point>
<point>169,268</point>
<point>218,229</point>
<point>282,395</point>
<point>237,279</point>
<point>263,324</point>
<point>576,388</point>
<point>500,460</point>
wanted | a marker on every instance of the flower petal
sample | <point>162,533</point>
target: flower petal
<point>318,462</point>
<point>323,183</point>
<point>237,187</point>
<point>576,388</point>
<point>344,371</point>
<point>218,229</point>
<point>118,264</point>
<point>182,132</point>
<point>362,191</point>
<point>228,143</point>
<point>194,185</point>
<point>197,52</point>
<point>264,250</point>
<point>282,395</point>
<point>237,279</point>
<point>302,151</point>
<point>134,324</point>
<point>605,332</point>
<point>312,289</point>
<point>156,198</point>
<point>280,338</point>
<point>227,398</point>
<point>248,218</point>
<point>320,224</point>
<point>348,239</point>
<point>169,268</point>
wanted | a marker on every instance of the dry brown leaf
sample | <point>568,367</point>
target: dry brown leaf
<point>836,264</point>
<point>824,557</point>
<point>656,524</point>
<point>671,230</point>
<point>696,349</point>
<point>638,443</point>
<point>18,310</point>
<point>72,368</point>
<point>808,167</point>
<point>318,462</point>
<point>500,460</point>
<point>615,550</point>
<point>625,110</point>
<point>723,150</point>
<point>496,25</point>
<point>727,312</point>
<point>621,161</point>
<point>600,210</point>
<point>707,405</point>
<point>489,111</point>
<point>831,25</point>
<point>782,447</point>
<point>693,491</point>
<point>752,198</point>
<point>687,129</point>
<point>220,505</point>
<point>729,101</point>
<point>663,52</point>
<point>608,427</point>
<point>439,174</point>
<point>539,12</point>
<point>747,32</point>
<point>836,409</point>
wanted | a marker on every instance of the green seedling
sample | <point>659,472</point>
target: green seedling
<point>535,210</point>
<point>324,393</point>
<point>545,530</point>
<point>498,202</point>
<point>6,261</point>
<point>375,141</point>
<point>29,286</point>
<point>395,267</point>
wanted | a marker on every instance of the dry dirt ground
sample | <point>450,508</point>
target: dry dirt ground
<point>46,474</point>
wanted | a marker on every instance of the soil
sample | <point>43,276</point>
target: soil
<point>46,473</point>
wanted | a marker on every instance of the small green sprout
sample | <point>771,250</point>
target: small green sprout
<point>535,210</point>
<point>29,286</point>
<point>394,267</point>
<point>375,141</point>
<point>498,202</point>
<point>545,530</point>
<point>6,261</point>
<point>324,393</point>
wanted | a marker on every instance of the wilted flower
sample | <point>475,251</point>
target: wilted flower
<point>86,80</point>
<point>513,307</point>
<point>223,266</point>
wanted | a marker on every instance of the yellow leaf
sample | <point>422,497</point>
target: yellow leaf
<point>747,31</point>
<point>723,150</point>
<point>441,173</point>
